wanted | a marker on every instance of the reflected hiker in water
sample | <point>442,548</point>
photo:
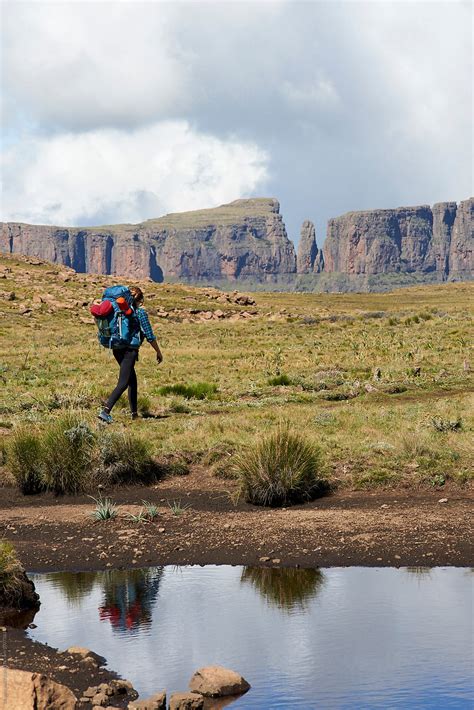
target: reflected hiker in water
<point>285,587</point>
<point>129,596</point>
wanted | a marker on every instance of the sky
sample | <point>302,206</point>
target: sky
<point>119,112</point>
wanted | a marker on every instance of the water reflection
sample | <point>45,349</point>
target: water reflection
<point>341,638</point>
<point>75,585</point>
<point>285,587</point>
<point>128,597</point>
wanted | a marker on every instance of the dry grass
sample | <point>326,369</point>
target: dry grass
<point>364,387</point>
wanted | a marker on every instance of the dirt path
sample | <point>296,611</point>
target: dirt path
<point>397,528</point>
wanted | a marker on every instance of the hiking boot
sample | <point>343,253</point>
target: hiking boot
<point>105,417</point>
<point>134,415</point>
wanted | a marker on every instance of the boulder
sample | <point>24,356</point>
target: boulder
<point>85,654</point>
<point>25,690</point>
<point>155,702</point>
<point>186,701</point>
<point>216,682</point>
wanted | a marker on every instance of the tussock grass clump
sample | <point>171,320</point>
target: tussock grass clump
<point>10,570</point>
<point>67,454</point>
<point>198,390</point>
<point>280,469</point>
<point>280,381</point>
<point>126,458</point>
<point>16,590</point>
<point>24,459</point>
<point>178,407</point>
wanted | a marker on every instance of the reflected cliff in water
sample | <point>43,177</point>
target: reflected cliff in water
<point>284,587</point>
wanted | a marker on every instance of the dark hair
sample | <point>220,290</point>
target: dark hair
<point>137,294</point>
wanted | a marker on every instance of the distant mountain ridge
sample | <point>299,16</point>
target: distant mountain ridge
<point>246,240</point>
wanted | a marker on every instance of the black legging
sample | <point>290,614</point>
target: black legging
<point>126,358</point>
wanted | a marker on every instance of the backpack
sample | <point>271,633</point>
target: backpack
<point>116,319</point>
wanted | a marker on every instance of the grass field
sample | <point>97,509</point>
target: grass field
<point>380,382</point>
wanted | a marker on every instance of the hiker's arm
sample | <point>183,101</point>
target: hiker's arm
<point>147,331</point>
<point>156,348</point>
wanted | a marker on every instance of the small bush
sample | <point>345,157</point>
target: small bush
<point>25,461</point>
<point>199,390</point>
<point>67,455</point>
<point>126,458</point>
<point>280,469</point>
<point>280,381</point>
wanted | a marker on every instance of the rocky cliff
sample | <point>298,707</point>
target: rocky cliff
<point>245,239</point>
<point>310,258</point>
<point>408,240</point>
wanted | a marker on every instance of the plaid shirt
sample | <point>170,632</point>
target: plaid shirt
<point>145,326</point>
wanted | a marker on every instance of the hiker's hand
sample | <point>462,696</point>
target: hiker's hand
<point>159,357</point>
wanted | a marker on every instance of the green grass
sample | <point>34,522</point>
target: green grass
<point>281,468</point>
<point>126,458</point>
<point>279,381</point>
<point>324,343</point>
<point>11,576</point>
<point>199,390</point>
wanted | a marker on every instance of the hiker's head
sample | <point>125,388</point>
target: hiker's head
<point>137,294</point>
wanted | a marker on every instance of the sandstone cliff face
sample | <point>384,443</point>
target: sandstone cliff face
<point>310,258</point>
<point>245,239</point>
<point>405,240</point>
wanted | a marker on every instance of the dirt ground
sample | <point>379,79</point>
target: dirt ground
<point>372,528</point>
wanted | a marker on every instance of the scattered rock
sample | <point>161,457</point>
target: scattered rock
<point>121,687</point>
<point>85,654</point>
<point>443,500</point>
<point>100,699</point>
<point>264,559</point>
<point>216,682</point>
<point>186,701</point>
<point>155,702</point>
<point>33,691</point>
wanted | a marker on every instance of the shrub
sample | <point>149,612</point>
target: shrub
<point>279,380</point>
<point>280,469</point>
<point>126,458</point>
<point>25,461</point>
<point>199,390</point>
<point>67,454</point>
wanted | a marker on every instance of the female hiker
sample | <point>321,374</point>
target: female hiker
<point>127,357</point>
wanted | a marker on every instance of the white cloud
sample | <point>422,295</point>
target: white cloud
<point>112,175</point>
<point>358,104</point>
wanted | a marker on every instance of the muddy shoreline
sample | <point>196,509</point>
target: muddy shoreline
<point>403,527</point>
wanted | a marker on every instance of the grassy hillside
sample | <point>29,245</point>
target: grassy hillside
<point>381,382</point>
